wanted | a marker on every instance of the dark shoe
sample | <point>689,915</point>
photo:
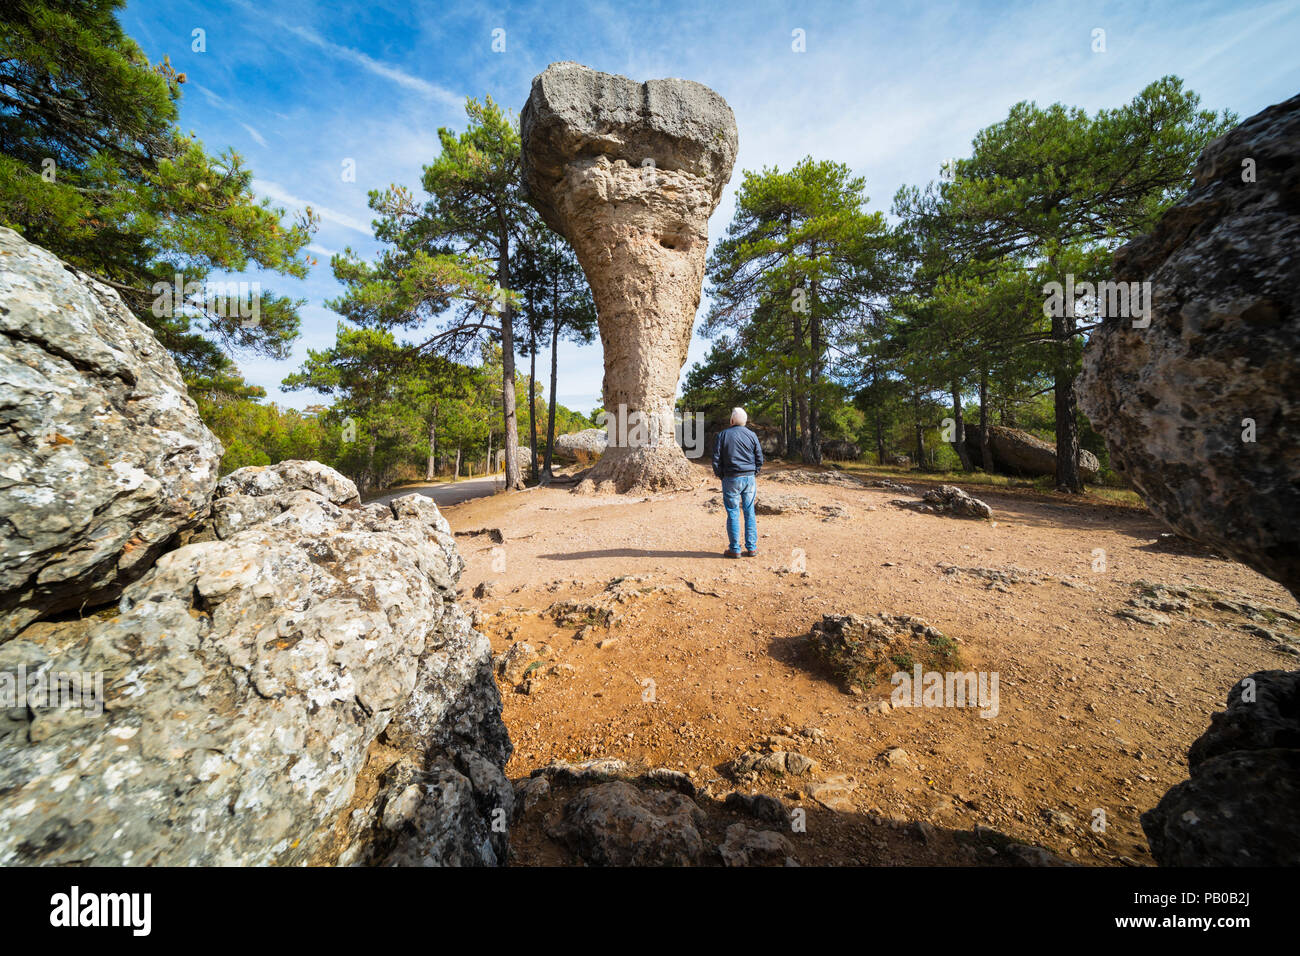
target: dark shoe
<point>749,554</point>
<point>731,554</point>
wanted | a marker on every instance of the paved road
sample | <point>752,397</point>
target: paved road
<point>449,492</point>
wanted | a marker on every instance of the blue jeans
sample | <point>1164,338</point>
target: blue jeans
<point>738,493</point>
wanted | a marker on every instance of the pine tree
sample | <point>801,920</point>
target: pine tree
<point>94,168</point>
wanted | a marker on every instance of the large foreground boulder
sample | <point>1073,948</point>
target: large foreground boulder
<point>103,458</point>
<point>241,684</point>
<point>258,670</point>
<point>1200,409</point>
<point>629,173</point>
<point>1017,452</point>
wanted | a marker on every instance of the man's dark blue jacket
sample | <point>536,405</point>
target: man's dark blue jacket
<point>738,452</point>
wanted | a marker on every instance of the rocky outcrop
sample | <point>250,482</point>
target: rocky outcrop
<point>1199,409</point>
<point>245,678</point>
<point>1017,452</point>
<point>629,173</point>
<point>103,458</point>
<point>617,824</point>
<point>1238,808</point>
<point>287,680</point>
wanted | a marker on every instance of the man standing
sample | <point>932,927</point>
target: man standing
<point>737,460</point>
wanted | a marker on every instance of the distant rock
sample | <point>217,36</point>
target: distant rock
<point>582,446</point>
<point>103,458</point>
<point>1018,452</point>
<point>947,500</point>
<point>839,450</point>
<point>1200,409</point>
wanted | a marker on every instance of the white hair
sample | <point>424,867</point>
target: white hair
<point>738,416</point>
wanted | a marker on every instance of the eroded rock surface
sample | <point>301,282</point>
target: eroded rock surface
<point>1177,400</point>
<point>629,173</point>
<point>245,679</point>
<point>262,671</point>
<point>103,458</point>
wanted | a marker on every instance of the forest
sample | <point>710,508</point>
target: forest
<point>886,336</point>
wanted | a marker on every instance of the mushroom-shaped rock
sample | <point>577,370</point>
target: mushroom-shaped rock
<point>629,173</point>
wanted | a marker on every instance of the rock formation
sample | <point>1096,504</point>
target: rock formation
<point>1238,808</point>
<point>629,173</point>
<point>103,458</point>
<point>1200,409</point>
<point>1017,452</point>
<point>582,446</point>
<point>292,684</point>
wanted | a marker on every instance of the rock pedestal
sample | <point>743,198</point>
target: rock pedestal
<point>629,173</point>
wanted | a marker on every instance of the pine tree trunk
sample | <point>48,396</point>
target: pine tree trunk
<point>514,481</point>
<point>1064,401</point>
<point>960,434</point>
<point>431,468</point>
<point>814,383</point>
<point>457,478</point>
<point>986,450</point>
<point>532,408</point>
<point>920,430</point>
<point>550,411</point>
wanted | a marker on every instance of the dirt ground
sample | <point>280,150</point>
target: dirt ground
<point>1095,712</point>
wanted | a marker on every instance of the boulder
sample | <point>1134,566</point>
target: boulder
<point>947,500</point>
<point>1199,408</point>
<point>745,846</point>
<point>629,173</point>
<point>1237,808</point>
<point>263,672</point>
<point>840,450</point>
<point>582,446</point>
<point>617,824</point>
<point>103,458</point>
<point>1017,452</point>
<point>244,681</point>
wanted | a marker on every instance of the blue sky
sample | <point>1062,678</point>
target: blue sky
<point>892,89</point>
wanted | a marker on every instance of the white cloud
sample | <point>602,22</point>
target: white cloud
<point>257,137</point>
<point>276,193</point>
